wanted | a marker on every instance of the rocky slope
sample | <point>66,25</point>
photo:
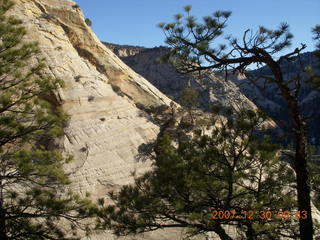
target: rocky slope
<point>105,128</point>
<point>165,78</point>
<point>236,92</point>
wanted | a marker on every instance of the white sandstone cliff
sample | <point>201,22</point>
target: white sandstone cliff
<point>105,127</point>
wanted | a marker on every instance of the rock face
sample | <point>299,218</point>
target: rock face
<point>124,50</point>
<point>105,127</point>
<point>166,79</point>
<point>100,93</point>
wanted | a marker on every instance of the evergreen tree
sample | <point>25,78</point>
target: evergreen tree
<point>193,50</point>
<point>88,22</point>
<point>204,182</point>
<point>32,180</point>
<point>314,150</point>
<point>315,78</point>
<point>189,100</point>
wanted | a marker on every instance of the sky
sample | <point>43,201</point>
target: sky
<point>133,22</point>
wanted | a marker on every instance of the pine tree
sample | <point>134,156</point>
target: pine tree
<point>32,180</point>
<point>194,50</point>
<point>189,100</point>
<point>315,78</point>
<point>204,182</point>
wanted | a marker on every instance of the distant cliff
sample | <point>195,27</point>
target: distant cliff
<point>124,50</point>
<point>212,88</point>
<point>266,96</point>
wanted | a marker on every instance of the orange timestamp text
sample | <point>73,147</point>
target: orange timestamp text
<point>252,215</point>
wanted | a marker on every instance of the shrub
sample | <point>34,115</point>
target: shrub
<point>77,78</point>
<point>88,22</point>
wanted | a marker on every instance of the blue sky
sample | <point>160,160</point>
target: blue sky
<point>133,22</point>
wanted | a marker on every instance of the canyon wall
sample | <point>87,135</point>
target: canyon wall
<point>100,96</point>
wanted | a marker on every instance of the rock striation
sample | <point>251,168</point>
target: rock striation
<point>100,93</point>
<point>100,96</point>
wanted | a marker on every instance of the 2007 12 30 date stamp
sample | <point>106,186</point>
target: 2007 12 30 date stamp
<point>252,215</point>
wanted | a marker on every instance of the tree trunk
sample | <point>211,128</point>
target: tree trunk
<point>222,233</point>
<point>303,190</point>
<point>250,232</point>
<point>3,233</point>
<point>300,160</point>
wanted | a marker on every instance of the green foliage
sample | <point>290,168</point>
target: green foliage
<point>189,98</point>
<point>314,169</point>
<point>194,49</point>
<point>88,22</point>
<point>32,181</point>
<point>191,43</point>
<point>316,33</point>
<point>315,78</point>
<point>226,169</point>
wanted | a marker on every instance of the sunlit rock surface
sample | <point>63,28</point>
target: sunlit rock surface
<point>105,127</point>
